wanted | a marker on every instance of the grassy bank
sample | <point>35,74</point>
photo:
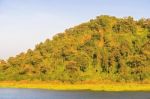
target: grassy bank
<point>78,86</point>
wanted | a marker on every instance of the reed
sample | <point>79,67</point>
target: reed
<point>78,86</point>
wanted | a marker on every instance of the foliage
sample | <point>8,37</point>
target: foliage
<point>105,48</point>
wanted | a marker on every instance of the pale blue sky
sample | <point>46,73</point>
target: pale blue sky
<point>24,23</point>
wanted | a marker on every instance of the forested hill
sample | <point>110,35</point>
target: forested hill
<point>105,48</point>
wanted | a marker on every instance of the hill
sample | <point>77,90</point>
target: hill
<point>105,48</point>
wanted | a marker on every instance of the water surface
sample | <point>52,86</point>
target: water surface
<point>47,94</point>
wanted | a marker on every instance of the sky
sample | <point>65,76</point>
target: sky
<point>25,23</point>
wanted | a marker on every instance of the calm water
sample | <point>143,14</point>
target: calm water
<point>46,94</point>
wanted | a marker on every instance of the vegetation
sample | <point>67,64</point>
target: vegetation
<point>105,48</point>
<point>97,86</point>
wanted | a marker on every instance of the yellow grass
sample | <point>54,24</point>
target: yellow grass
<point>78,86</point>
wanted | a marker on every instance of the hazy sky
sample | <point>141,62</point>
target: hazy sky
<point>24,23</point>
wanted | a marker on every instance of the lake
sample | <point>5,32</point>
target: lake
<point>47,94</point>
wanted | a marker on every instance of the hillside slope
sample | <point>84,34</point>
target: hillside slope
<point>105,48</point>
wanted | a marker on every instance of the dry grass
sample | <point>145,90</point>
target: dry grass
<point>77,86</point>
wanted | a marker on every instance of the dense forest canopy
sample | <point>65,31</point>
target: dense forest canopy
<point>105,48</point>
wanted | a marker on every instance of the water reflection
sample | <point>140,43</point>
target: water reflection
<point>46,94</point>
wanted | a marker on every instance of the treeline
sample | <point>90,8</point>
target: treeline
<point>105,48</point>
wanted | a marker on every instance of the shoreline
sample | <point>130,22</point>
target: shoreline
<point>77,86</point>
